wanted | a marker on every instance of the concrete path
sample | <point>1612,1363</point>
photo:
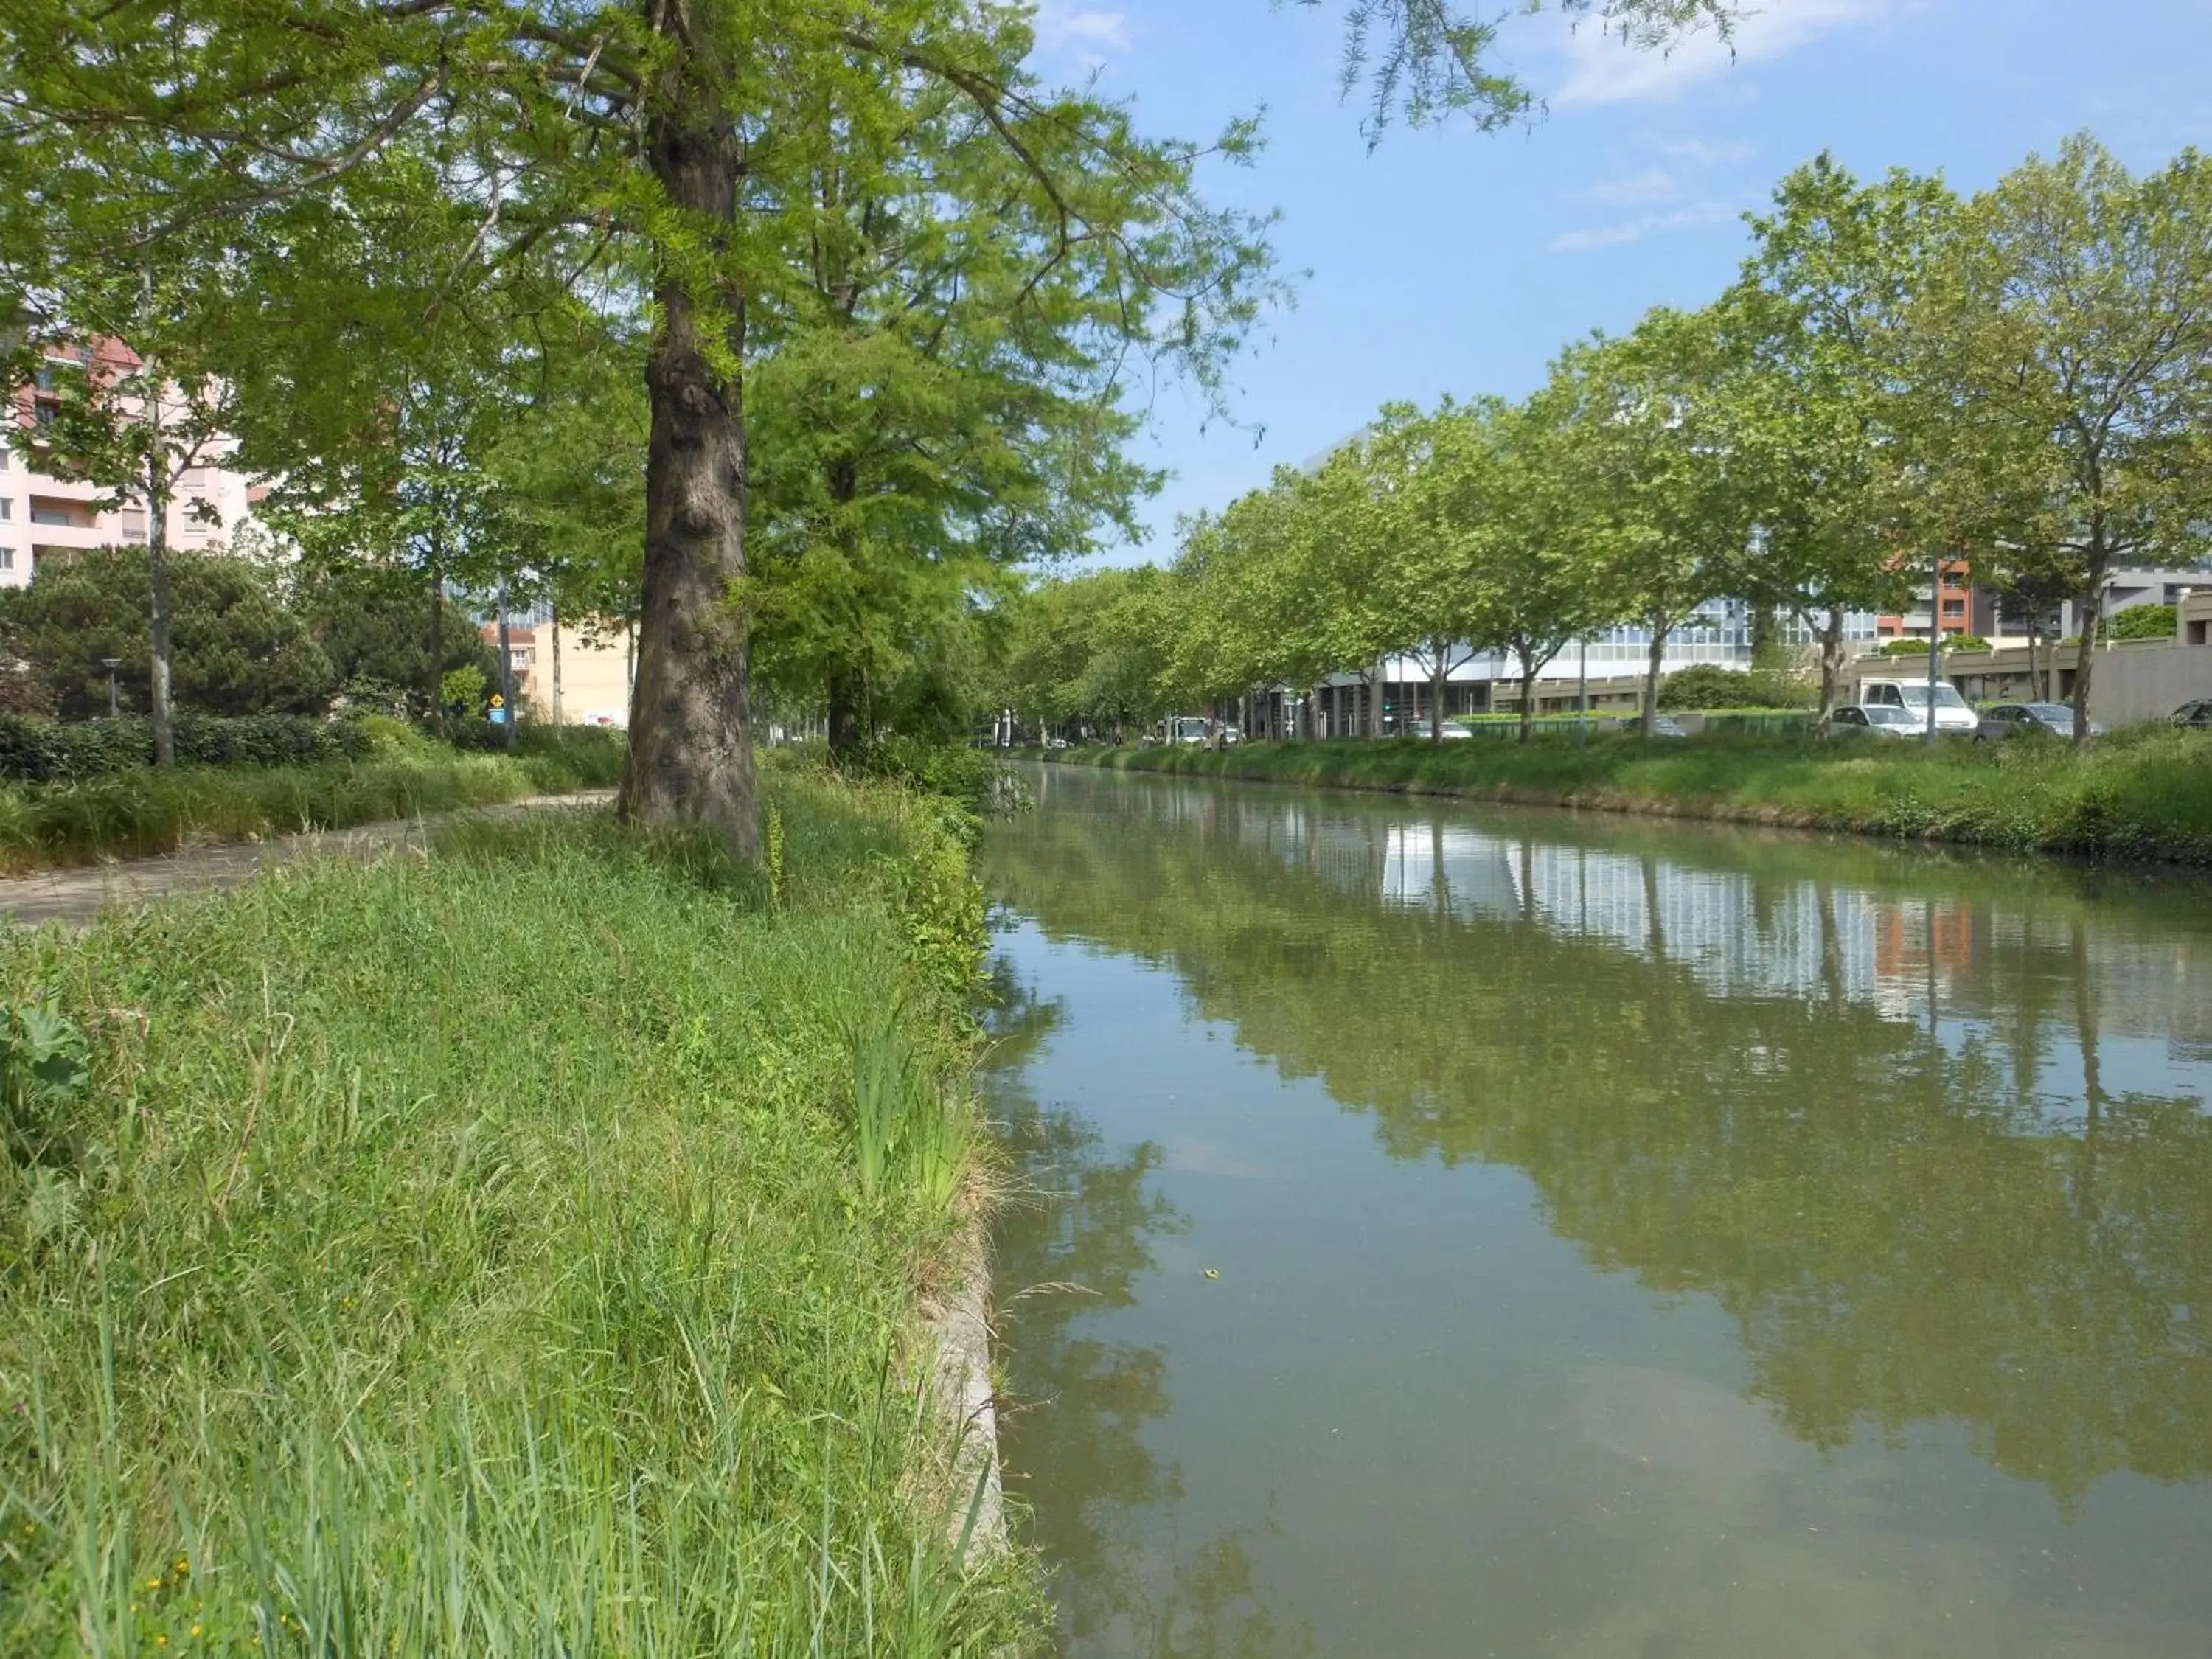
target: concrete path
<point>76,897</point>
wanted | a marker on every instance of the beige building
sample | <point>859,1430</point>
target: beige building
<point>595,673</point>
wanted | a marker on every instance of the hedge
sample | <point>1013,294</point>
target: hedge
<point>49,751</point>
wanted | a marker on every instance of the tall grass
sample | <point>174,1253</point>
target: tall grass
<point>2141,793</point>
<point>912,1122</point>
<point>139,813</point>
<point>463,1256</point>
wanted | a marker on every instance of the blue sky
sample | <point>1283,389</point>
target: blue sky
<point>1453,261</point>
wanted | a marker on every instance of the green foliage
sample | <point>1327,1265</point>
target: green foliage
<point>240,646</point>
<point>464,688</point>
<point>374,627</point>
<point>523,1280</point>
<point>1966,643</point>
<point>45,1066</point>
<point>45,751</point>
<point>1707,686</point>
<point>2143,621</point>
<point>972,779</point>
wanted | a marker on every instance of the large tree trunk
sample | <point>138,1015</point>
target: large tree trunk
<point>690,727</point>
<point>157,571</point>
<point>1437,699</point>
<point>1529,668</point>
<point>1831,669</point>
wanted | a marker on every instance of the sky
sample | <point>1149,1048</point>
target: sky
<point>1447,261</point>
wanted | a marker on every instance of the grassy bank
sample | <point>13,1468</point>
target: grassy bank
<point>481,1254</point>
<point>137,813</point>
<point>2141,794</point>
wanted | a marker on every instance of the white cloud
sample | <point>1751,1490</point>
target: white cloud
<point>1088,33</point>
<point>1654,184</point>
<point>1603,69</point>
<point>1695,216</point>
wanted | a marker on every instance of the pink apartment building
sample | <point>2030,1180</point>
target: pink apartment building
<point>41,515</point>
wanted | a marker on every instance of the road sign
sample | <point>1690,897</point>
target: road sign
<point>497,700</point>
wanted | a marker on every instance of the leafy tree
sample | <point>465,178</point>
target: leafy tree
<point>1544,546</point>
<point>237,646</point>
<point>140,422</point>
<point>1093,649</point>
<point>373,623</point>
<point>1818,320</point>
<point>663,141</point>
<point>1432,483</point>
<point>2068,350</point>
<point>1670,488</point>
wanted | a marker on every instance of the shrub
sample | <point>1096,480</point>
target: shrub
<point>2143,621</point>
<point>972,777</point>
<point>1708,685</point>
<point>237,645</point>
<point>48,751</point>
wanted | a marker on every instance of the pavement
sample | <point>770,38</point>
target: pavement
<point>76,898</point>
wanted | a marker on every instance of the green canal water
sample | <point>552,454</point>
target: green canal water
<point>1631,1240</point>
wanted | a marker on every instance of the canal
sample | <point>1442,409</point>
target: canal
<point>1454,1232</point>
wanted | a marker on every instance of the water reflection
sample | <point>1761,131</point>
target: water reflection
<point>1930,1132</point>
<point>1069,1250</point>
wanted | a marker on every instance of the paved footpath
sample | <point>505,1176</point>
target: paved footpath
<point>76,897</point>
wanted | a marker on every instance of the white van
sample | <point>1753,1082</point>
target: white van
<point>1953,712</point>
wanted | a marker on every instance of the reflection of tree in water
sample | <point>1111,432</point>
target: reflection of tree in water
<point>1100,1506</point>
<point>1903,1231</point>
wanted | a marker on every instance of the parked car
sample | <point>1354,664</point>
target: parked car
<point>1663,725</point>
<point>1953,713</point>
<point>1425,729</point>
<point>2029,719</point>
<point>2198,714</point>
<point>1880,718</point>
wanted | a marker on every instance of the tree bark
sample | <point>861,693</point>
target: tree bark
<point>1529,668</point>
<point>1659,632</point>
<point>157,572</point>
<point>2085,658</point>
<point>690,730</point>
<point>1831,669</point>
<point>436,688</point>
<point>1437,699</point>
<point>846,696</point>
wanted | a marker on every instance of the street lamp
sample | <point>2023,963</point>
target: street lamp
<point>112,664</point>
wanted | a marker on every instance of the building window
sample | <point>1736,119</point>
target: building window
<point>49,515</point>
<point>1955,607</point>
<point>192,478</point>
<point>7,558</point>
<point>7,509</point>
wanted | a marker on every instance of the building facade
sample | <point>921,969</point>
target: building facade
<point>43,513</point>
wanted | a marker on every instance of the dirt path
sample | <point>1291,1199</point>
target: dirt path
<point>76,897</point>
